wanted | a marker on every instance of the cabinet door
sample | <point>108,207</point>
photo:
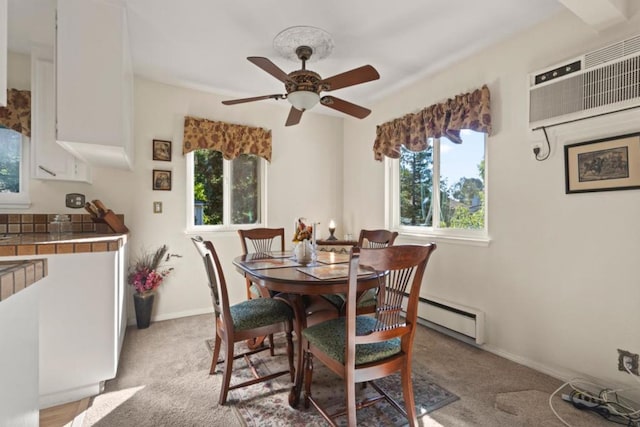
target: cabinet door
<point>93,78</point>
<point>3,52</point>
<point>49,159</point>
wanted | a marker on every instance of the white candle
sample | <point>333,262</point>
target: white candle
<point>332,224</point>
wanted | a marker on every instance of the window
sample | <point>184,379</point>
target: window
<point>14,179</point>
<point>442,189</point>
<point>225,193</point>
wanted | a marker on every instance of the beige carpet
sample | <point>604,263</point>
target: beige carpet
<point>266,404</point>
<point>163,381</point>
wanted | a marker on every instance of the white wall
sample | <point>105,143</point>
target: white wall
<point>557,282</point>
<point>304,179</point>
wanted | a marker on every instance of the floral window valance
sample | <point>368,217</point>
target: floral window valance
<point>466,111</point>
<point>17,114</point>
<point>230,139</point>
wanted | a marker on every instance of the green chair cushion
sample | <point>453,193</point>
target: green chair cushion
<point>369,298</point>
<point>258,312</point>
<point>336,300</point>
<point>329,337</point>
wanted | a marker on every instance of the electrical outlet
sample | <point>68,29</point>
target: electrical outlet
<point>628,362</point>
<point>536,148</point>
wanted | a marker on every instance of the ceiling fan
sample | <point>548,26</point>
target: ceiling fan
<point>304,86</point>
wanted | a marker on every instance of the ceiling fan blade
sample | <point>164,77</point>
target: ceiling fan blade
<point>345,106</point>
<point>294,117</point>
<point>363,74</point>
<point>255,98</point>
<point>269,67</point>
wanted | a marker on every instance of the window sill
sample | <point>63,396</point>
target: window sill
<point>480,241</point>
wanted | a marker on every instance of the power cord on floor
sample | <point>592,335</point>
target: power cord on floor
<point>605,403</point>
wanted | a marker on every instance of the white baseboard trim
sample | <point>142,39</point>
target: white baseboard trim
<point>174,315</point>
<point>565,375</point>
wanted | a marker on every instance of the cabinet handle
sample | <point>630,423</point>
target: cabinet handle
<point>47,170</point>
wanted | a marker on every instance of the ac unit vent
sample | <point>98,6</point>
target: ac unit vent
<point>613,52</point>
<point>612,85</point>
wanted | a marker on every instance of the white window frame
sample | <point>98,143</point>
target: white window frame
<point>226,198</point>
<point>392,204</point>
<point>22,199</point>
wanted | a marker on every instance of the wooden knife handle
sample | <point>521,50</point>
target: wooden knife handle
<point>91,209</point>
<point>102,209</point>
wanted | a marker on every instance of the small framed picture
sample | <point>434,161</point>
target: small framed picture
<point>603,165</point>
<point>161,150</point>
<point>161,180</point>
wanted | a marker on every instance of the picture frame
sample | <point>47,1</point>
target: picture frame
<point>161,150</point>
<point>605,164</point>
<point>161,180</point>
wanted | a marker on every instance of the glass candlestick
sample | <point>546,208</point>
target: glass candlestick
<point>332,229</point>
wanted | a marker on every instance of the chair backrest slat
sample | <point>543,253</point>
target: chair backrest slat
<point>215,277</point>
<point>376,238</point>
<point>262,239</point>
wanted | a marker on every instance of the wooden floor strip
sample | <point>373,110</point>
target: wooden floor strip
<point>63,415</point>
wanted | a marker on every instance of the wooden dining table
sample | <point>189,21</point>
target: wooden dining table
<point>280,273</point>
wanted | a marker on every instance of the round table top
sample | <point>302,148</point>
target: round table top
<point>286,275</point>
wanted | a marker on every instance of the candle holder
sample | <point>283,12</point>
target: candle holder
<point>332,230</point>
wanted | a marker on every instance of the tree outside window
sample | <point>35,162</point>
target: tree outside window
<point>220,201</point>
<point>454,172</point>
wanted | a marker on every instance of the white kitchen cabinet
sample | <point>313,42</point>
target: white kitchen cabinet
<point>82,324</point>
<point>94,82</point>
<point>48,159</point>
<point>3,51</point>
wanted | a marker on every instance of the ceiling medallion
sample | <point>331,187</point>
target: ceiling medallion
<point>288,40</point>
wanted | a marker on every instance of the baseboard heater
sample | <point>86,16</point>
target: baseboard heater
<point>459,321</point>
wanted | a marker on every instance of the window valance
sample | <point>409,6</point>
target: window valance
<point>230,139</point>
<point>466,111</point>
<point>17,114</point>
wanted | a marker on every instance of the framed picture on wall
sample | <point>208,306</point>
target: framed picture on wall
<point>161,150</point>
<point>603,165</point>
<point>161,180</point>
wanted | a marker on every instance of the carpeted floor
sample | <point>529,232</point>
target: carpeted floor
<point>163,380</point>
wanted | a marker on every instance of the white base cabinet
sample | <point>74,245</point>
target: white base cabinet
<point>49,160</point>
<point>82,324</point>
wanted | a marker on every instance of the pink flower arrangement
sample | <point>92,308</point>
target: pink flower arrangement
<point>146,274</point>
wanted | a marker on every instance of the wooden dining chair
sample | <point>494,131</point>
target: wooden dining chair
<point>260,240</point>
<point>361,349</point>
<point>366,302</point>
<point>372,239</point>
<point>240,322</point>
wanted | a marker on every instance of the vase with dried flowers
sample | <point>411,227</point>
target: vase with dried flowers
<point>304,238</point>
<point>146,273</point>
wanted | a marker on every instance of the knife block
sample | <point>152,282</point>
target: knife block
<point>112,221</point>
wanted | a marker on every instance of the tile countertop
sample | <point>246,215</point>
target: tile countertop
<point>17,275</point>
<point>53,243</point>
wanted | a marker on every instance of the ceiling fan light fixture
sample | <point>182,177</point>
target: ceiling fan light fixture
<point>303,99</point>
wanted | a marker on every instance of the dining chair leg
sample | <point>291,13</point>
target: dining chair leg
<point>308,376</point>
<point>216,353</point>
<point>350,392</point>
<point>226,377</point>
<point>407,394</point>
<point>271,346</point>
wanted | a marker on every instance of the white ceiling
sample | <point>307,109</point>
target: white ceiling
<point>204,43</point>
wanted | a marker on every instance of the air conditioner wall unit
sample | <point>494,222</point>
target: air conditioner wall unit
<point>604,81</point>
